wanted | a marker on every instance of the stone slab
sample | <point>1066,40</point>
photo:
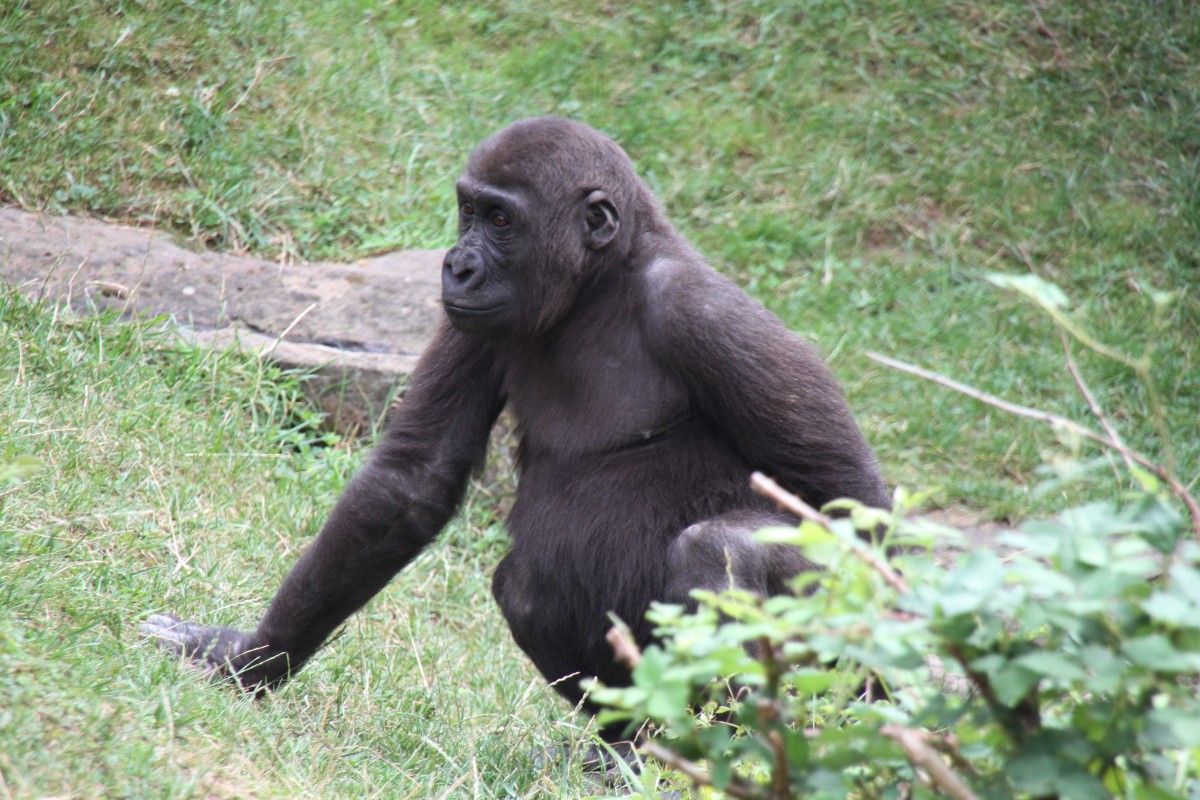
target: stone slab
<point>359,326</point>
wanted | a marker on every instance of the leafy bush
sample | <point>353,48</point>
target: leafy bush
<point>1062,666</point>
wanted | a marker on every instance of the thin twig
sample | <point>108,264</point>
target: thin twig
<point>1093,404</point>
<point>992,400</point>
<point>921,755</point>
<point>773,491</point>
<point>770,489</point>
<point>779,772</point>
<point>1177,487</point>
<point>279,339</point>
<point>625,650</point>
<point>695,773</point>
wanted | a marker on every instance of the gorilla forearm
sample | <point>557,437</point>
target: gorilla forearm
<point>394,507</point>
<point>381,523</point>
<point>391,510</point>
<point>376,529</point>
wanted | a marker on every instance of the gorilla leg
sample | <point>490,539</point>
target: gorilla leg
<point>721,553</point>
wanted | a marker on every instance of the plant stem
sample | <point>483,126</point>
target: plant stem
<point>1176,485</point>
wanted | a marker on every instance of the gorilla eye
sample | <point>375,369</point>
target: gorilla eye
<point>467,210</point>
<point>500,220</point>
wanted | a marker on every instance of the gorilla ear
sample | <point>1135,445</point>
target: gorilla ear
<point>601,220</point>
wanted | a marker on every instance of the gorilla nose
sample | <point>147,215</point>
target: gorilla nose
<point>462,269</point>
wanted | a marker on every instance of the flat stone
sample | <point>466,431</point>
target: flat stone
<point>358,327</point>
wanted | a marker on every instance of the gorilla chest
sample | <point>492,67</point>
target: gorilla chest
<point>592,406</point>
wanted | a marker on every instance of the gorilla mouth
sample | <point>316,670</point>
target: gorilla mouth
<point>469,311</point>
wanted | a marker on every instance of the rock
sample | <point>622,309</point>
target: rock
<point>359,326</point>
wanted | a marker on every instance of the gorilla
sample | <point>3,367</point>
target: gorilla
<point>645,387</point>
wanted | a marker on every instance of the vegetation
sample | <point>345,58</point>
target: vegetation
<point>1064,667</point>
<point>858,166</point>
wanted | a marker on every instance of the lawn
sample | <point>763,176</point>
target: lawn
<point>859,167</point>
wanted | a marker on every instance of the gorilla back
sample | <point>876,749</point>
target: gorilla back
<point>646,389</point>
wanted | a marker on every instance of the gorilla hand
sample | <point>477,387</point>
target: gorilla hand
<point>221,652</point>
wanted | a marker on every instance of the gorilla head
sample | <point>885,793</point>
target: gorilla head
<point>545,208</point>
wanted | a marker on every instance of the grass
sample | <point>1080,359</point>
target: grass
<point>179,479</point>
<point>858,166</point>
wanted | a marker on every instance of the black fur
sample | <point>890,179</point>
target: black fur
<point>646,388</point>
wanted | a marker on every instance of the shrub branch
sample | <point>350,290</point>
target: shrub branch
<point>921,755</point>
<point>1093,404</point>
<point>737,788</point>
<point>790,502</point>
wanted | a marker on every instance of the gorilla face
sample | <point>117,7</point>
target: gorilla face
<point>534,231</point>
<point>481,275</point>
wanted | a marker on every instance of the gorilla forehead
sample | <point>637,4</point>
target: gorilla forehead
<point>548,154</point>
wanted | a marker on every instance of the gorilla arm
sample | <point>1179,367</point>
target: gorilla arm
<point>409,489</point>
<point>763,386</point>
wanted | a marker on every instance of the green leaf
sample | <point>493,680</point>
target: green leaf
<point>649,670</point>
<point>1173,727</point>
<point>1052,665</point>
<point>988,663</point>
<point>1144,792</point>
<point>870,519</point>
<point>1157,653</point>
<point>1078,785</point>
<point>779,534</point>
<point>1034,774</point>
<point>810,533</point>
<point>720,773</point>
<point>608,716</point>
<point>668,700</point>
<point>796,746</point>
<point>1159,523</point>
<point>969,587</point>
<point>1186,579</point>
<point>1040,291</point>
<point>1091,550</point>
<point>1172,609</point>
<point>808,681</point>
<point>1145,478</point>
<point>1011,683</point>
<point>1106,668</point>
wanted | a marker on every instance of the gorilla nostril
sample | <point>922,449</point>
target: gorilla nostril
<point>459,268</point>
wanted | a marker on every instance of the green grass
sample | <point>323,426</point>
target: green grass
<point>857,166</point>
<point>174,479</point>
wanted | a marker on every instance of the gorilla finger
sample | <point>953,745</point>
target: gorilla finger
<point>197,642</point>
<point>167,631</point>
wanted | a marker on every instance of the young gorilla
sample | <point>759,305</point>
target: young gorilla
<point>646,388</point>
